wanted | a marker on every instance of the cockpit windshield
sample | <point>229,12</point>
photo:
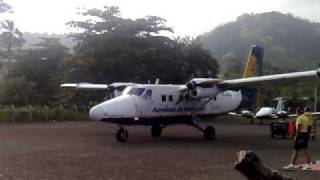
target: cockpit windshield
<point>136,91</point>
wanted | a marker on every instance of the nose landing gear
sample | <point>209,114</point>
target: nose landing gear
<point>122,135</point>
<point>156,130</point>
<point>209,133</point>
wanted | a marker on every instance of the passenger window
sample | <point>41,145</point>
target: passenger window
<point>147,95</point>
<point>170,98</point>
<point>164,98</point>
<point>136,91</point>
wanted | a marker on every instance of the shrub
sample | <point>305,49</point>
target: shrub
<point>40,114</point>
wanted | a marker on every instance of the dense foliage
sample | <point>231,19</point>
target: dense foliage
<point>37,73</point>
<point>108,48</point>
<point>112,44</point>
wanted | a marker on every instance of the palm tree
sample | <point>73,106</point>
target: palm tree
<point>11,37</point>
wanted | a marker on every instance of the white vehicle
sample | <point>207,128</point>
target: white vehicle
<point>160,105</point>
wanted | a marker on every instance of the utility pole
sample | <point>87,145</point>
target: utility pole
<point>316,94</point>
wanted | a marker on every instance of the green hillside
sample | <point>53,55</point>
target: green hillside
<point>290,43</point>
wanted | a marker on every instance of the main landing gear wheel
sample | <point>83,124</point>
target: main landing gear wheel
<point>156,131</point>
<point>209,133</point>
<point>271,133</point>
<point>122,135</point>
<point>252,121</point>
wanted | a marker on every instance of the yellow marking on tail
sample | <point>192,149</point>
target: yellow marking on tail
<point>250,68</point>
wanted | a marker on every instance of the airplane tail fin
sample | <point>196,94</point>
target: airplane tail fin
<point>280,103</point>
<point>254,63</point>
<point>252,68</point>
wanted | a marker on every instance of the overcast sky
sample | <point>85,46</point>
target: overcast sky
<point>187,17</point>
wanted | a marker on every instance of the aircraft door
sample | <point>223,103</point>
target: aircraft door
<point>145,104</point>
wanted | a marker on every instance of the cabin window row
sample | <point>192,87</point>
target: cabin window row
<point>164,98</point>
<point>169,98</point>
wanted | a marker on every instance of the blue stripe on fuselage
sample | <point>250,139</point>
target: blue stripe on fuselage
<point>150,121</point>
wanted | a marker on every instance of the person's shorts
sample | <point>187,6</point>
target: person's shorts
<point>301,141</point>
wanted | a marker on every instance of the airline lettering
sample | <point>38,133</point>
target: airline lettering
<point>177,109</point>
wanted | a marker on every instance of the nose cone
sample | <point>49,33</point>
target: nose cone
<point>264,112</point>
<point>119,107</point>
<point>96,113</point>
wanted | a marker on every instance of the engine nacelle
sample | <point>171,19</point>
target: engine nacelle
<point>203,88</point>
<point>204,92</point>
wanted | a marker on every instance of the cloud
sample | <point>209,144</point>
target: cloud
<point>303,3</point>
<point>308,9</point>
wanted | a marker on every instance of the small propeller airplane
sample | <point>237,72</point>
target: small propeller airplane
<point>160,105</point>
<point>266,112</point>
<point>273,112</point>
<point>270,112</point>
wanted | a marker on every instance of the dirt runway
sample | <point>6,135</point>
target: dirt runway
<point>88,150</point>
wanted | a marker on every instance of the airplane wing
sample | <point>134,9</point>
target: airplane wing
<point>260,80</point>
<point>210,87</point>
<point>85,86</point>
<point>251,81</point>
<point>119,85</point>
<point>313,113</point>
<point>243,113</point>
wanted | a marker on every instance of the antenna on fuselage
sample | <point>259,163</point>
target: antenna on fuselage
<point>157,81</point>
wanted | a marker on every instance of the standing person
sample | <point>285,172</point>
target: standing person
<point>301,141</point>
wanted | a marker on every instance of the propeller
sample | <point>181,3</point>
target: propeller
<point>191,86</point>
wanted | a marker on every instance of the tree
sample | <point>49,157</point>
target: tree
<point>12,93</point>
<point>112,48</point>
<point>108,20</point>
<point>40,67</point>
<point>11,37</point>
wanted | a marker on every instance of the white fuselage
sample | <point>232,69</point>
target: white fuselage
<point>145,104</point>
<point>266,112</point>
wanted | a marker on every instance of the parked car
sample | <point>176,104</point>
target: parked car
<point>280,128</point>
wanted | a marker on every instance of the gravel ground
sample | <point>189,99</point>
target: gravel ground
<point>88,150</point>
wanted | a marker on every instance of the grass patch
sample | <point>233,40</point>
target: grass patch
<point>40,114</point>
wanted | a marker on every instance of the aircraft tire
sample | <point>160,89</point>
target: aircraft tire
<point>252,121</point>
<point>156,131</point>
<point>284,136</point>
<point>122,135</point>
<point>209,133</point>
<point>272,133</point>
<point>261,122</point>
